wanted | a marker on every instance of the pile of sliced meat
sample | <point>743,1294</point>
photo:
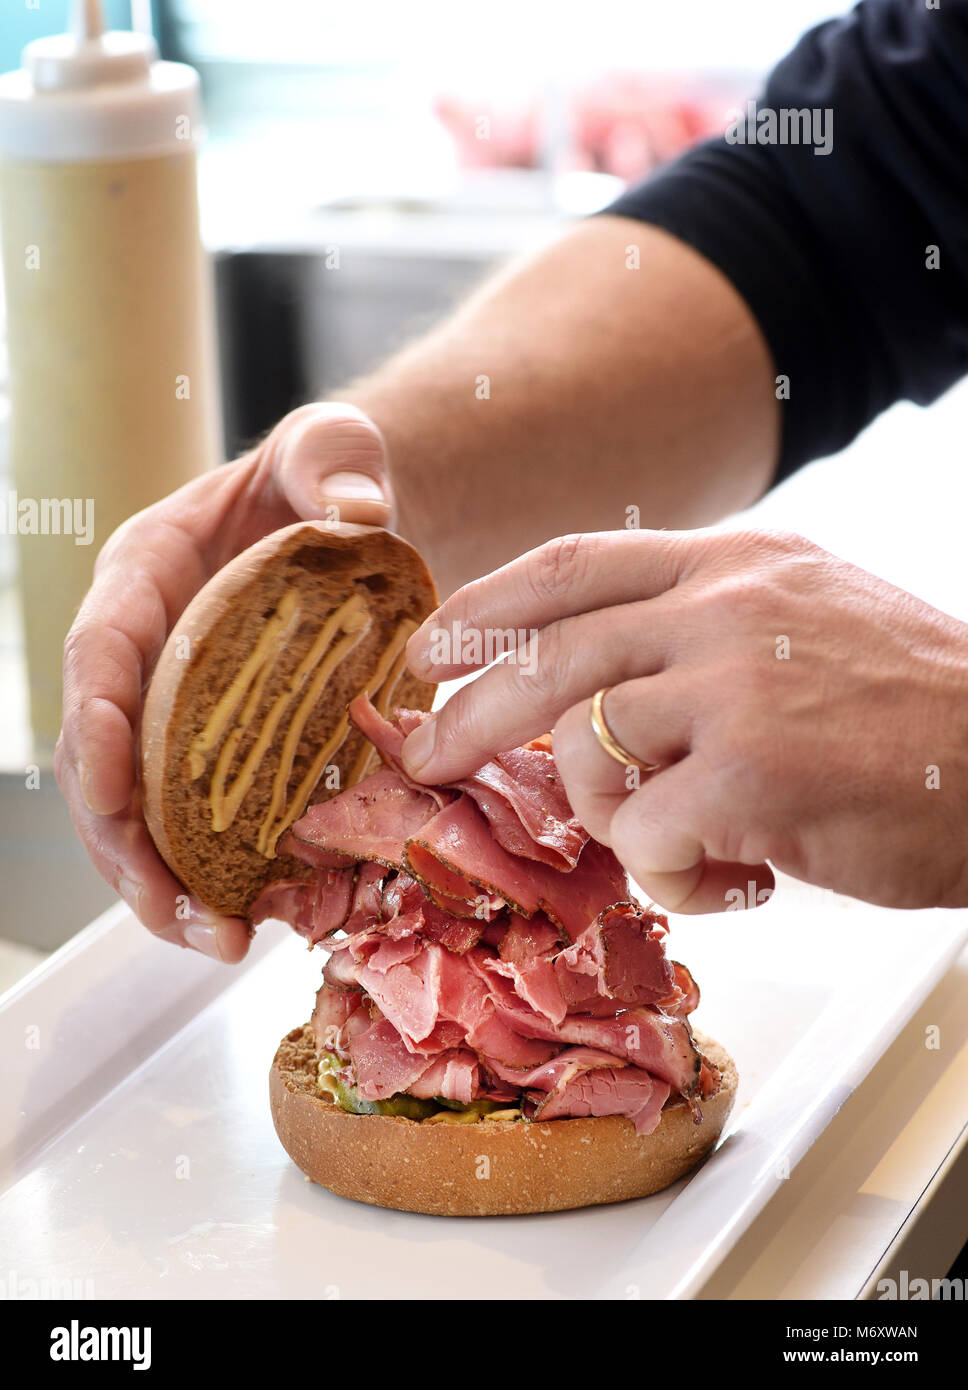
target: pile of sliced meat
<point>483,947</point>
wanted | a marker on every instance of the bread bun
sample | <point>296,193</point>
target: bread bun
<point>492,1168</point>
<point>247,706</point>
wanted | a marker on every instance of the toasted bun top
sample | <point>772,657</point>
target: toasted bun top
<point>245,717</point>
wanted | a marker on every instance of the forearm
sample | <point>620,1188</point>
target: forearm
<point>606,387</point>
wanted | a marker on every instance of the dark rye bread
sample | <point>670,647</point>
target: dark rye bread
<point>209,644</point>
<point>493,1168</point>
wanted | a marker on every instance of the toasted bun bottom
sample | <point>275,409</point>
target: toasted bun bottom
<point>493,1168</point>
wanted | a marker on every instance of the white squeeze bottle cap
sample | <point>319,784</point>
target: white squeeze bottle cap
<point>96,94</point>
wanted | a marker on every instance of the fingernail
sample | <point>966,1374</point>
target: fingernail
<point>131,893</point>
<point>84,780</point>
<point>418,649</point>
<point>203,936</point>
<point>418,748</point>
<point>344,486</point>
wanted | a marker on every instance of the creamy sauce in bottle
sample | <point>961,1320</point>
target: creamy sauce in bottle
<point>110,333</point>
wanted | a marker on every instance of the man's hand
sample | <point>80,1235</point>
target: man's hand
<point>802,712</point>
<point>319,458</point>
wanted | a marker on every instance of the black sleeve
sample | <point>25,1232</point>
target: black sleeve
<point>832,251</point>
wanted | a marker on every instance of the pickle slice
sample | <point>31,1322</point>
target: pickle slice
<point>348,1098</point>
<point>478,1107</point>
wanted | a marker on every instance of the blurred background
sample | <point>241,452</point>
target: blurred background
<point>363,167</point>
<point>424,142</point>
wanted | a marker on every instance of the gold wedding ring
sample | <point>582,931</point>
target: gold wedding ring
<point>609,742</point>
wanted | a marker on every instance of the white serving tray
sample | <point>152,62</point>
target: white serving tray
<point>138,1157</point>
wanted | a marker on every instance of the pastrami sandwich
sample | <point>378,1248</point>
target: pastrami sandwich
<point>499,1029</point>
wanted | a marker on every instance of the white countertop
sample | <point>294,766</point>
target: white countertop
<point>138,1159</point>
<point>833,1227</point>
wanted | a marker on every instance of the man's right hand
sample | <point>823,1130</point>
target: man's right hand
<point>318,458</point>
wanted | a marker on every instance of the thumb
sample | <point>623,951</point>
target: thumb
<point>331,462</point>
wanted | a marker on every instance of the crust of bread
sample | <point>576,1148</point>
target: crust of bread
<point>218,630</point>
<point>493,1168</point>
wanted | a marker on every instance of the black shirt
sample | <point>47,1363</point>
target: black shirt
<point>854,262</point>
